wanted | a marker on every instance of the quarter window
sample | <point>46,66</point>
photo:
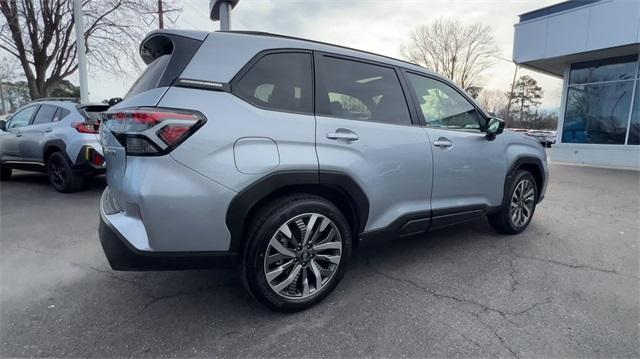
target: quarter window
<point>442,106</point>
<point>280,82</point>
<point>361,91</point>
<point>45,114</point>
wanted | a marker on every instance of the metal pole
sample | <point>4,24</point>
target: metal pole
<point>513,84</point>
<point>81,51</point>
<point>4,110</point>
<point>160,15</point>
<point>225,16</point>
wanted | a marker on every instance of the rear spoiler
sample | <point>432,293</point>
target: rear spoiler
<point>180,44</point>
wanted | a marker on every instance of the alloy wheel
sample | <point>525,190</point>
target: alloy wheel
<point>57,170</point>
<point>522,201</point>
<point>302,256</point>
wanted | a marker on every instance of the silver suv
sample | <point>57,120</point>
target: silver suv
<point>282,154</point>
<point>56,136</point>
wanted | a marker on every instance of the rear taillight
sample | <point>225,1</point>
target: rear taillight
<point>151,131</point>
<point>86,127</point>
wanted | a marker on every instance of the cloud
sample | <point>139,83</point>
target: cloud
<point>376,26</point>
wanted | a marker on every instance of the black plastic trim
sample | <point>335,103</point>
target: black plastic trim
<point>451,216</point>
<point>83,166</point>
<point>245,200</point>
<point>408,224</point>
<point>522,161</point>
<point>122,256</point>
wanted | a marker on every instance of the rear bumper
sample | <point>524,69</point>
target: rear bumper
<point>122,255</point>
<point>85,161</point>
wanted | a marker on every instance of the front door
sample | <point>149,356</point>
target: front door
<point>12,139</point>
<point>364,129</point>
<point>469,170</point>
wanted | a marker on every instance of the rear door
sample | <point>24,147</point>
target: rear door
<point>365,129</point>
<point>31,148</point>
<point>468,169</point>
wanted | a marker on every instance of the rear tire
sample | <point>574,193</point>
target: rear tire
<point>61,175</point>
<point>284,267</point>
<point>5,173</point>
<point>518,205</point>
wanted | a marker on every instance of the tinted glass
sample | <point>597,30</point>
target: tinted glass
<point>442,106</point>
<point>280,82</point>
<point>597,113</point>
<point>361,91</point>
<point>150,77</point>
<point>45,114</point>
<point>634,128</point>
<point>22,118</point>
<point>606,70</point>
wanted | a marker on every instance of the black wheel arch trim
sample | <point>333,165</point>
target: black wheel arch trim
<point>525,160</point>
<point>59,145</point>
<point>246,200</point>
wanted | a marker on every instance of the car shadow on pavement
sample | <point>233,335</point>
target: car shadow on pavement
<point>42,180</point>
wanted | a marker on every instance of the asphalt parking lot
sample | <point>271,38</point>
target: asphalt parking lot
<point>567,287</point>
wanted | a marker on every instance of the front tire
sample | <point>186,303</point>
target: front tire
<point>518,205</point>
<point>61,175</point>
<point>297,250</point>
<point>5,173</point>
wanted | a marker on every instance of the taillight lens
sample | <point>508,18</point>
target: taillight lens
<point>85,127</point>
<point>151,131</point>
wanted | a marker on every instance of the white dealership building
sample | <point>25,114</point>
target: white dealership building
<point>593,45</point>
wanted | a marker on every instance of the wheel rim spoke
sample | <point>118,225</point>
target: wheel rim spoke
<point>327,245</point>
<point>332,259</point>
<point>302,256</point>
<point>522,202</point>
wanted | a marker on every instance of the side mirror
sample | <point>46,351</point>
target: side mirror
<point>3,125</point>
<point>114,100</point>
<point>494,128</point>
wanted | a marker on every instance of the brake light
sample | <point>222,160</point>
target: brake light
<point>85,127</point>
<point>151,131</point>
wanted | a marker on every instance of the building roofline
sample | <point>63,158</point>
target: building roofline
<point>555,8</point>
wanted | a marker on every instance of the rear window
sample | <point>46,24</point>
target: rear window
<point>150,77</point>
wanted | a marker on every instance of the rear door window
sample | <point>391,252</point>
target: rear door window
<point>279,82</point>
<point>150,77</point>
<point>360,91</point>
<point>45,114</point>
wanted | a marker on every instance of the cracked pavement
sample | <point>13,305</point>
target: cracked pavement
<point>567,287</point>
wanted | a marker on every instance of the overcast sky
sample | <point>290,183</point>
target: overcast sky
<point>374,25</point>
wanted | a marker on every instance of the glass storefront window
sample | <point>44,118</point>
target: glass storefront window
<point>634,126</point>
<point>598,102</point>
<point>597,113</point>
<point>617,69</point>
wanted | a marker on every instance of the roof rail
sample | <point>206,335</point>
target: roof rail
<point>72,99</point>
<point>261,33</point>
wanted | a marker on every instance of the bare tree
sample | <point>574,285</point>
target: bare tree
<point>493,101</point>
<point>40,35</point>
<point>460,52</point>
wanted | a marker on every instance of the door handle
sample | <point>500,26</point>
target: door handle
<point>48,129</point>
<point>343,134</point>
<point>18,134</point>
<point>108,151</point>
<point>443,142</point>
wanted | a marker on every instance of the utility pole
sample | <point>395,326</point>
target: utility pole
<point>82,60</point>
<point>513,85</point>
<point>221,10</point>
<point>4,109</point>
<point>160,15</point>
